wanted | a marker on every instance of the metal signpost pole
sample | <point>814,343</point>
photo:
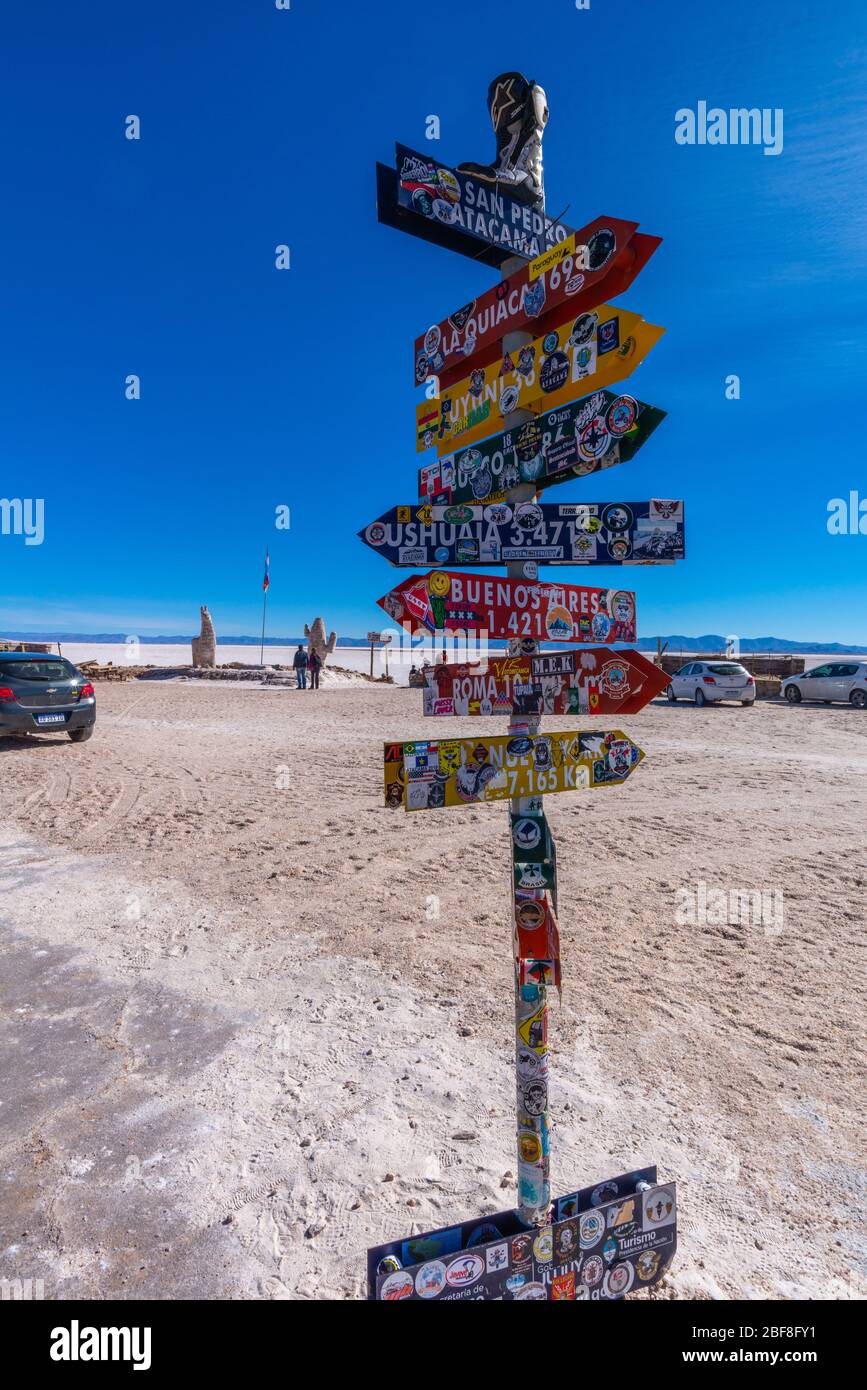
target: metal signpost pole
<point>531,999</point>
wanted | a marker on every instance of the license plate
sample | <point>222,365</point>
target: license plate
<point>51,719</point>
<point>734,694</point>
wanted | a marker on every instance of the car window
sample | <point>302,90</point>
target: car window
<point>44,671</point>
<point>845,670</point>
<point>728,668</point>
<point>820,670</point>
<point>684,670</point>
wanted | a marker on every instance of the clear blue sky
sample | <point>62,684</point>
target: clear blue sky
<point>262,387</point>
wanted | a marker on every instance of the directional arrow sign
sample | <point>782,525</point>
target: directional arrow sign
<point>444,601</point>
<point>585,353</point>
<point>427,775</point>
<point>598,262</point>
<point>593,681</point>
<point>572,441</point>
<point>430,200</point>
<point>574,533</point>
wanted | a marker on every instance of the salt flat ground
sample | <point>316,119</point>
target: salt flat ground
<point>249,1016</point>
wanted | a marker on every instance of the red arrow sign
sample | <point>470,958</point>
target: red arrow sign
<point>446,601</point>
<point>608,255</point>
<point>590,681</point>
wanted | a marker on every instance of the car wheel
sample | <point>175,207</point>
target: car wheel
<point>858,698</point>
<point>700,698</point>
<point>793,695</point>
<point>747,703</point>
<point>81,735</point>
<point>671,695</point>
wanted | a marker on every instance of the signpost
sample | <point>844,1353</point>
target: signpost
<point>378,639</point>
<point>596,263</point>
<point>564,533</point>
<point>601,1241</point>
<point>593,681</point>
<point>582,354</point>
<point>430,200</point>
<point>573,441</point>
<point>429,774</point>
<point>506,608</point>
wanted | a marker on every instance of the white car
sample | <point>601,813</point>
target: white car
<point>834,680</point>
<point>708,682</point>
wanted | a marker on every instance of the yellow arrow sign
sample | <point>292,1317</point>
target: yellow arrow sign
<point>582,355</point>
<point>429,774</point>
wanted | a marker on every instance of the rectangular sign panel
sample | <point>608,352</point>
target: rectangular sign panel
<point>601,1244</point>
<point>584,354</point>
<point>574,533</point>
<point>592,681</point>
<point>460,203</point>
<point>573,441</point>
<point>445,601</point>
<point>607,256</point>
<point>429,774</point>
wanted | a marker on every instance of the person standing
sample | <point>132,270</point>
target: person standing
<point>314,666</point>
<point>299,661</point>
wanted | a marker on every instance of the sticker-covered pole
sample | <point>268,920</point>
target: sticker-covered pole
<point>531,997</point>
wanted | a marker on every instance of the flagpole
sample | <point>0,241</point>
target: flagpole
<point>266,584</point>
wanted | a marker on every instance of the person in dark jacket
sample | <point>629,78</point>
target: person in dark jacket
<point>299,661</point>
<point>314,666</point>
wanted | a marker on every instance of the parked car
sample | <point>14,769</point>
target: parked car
<point>709,682</point>
<point>834,680</point>
<point>42,694</point>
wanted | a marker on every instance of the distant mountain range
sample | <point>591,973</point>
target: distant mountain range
<point>709,642</point>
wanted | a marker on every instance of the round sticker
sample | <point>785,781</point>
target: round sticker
<point>600,248</point>
<point>621,415</point>
<point>530,569</point>
<point>617,517</point>
<point>543,1246</point>
<point>593,1270</point>
<point>439,583</point>
<point>375,533</point>
<point>647,1264</point>
<point>528,516</point>
<point>591,1228</point>
<point>549,342</point>
<point>529,1146</point>
<point>530,915</point>
<point>441,554</point>
<point>554,372</point>
<point>601,626</point>
<point>532,1291</point>
<point>574,285</point>
<point>618,1280</point>
<point>470,462</point>
<point>432,339</point>
<point>583,329</point>
<point>498,514</point>
<point>465,1270</point>
<point>558,624</point>
<point>509,400</point>
<point>449,185</point>
<point>534,1099</point>
<point>397,1286</point>
<point>522,1248</point>
<point>431,1279</point>
<point>593,440</point>
<point>389,1264</point>
<point>527,833</point>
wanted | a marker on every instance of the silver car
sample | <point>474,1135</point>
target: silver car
<point>709,682</point>
<point>845,681</point>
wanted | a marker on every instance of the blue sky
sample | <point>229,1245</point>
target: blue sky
<point>262,387</point>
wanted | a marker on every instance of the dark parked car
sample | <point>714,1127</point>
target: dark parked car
<point>42,694</point>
